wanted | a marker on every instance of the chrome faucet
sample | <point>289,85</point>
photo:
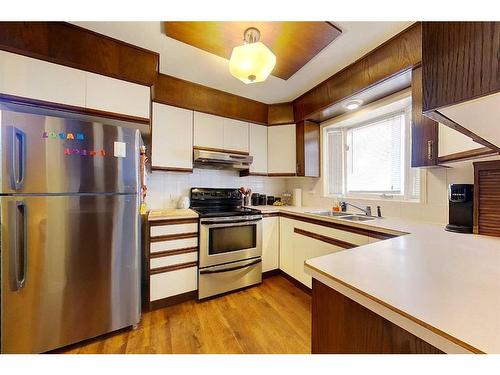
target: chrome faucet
<point>367,210</point>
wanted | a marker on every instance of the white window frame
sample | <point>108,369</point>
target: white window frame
<point>343,123</point>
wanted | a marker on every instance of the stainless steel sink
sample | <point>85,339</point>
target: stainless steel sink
<point>357,218</point>
<point>330,213</point>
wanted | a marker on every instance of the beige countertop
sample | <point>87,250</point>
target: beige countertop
<point>443,287</point>
<point>172,213</point>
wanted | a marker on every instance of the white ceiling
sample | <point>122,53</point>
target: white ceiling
<point>195,65</point>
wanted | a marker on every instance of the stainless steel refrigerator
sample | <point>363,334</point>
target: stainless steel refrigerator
<point>70,230</point>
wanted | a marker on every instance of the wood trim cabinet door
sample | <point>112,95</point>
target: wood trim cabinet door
<point>116,96</point>
<point>308,148</point>
<point>258,148</point>
<point>461,80</point>
<point>424,131</point>
<point>208,131</point>
<point>281,151</point>
<point>36,79</point>
<point>270,243</point>
<point>172,138</point>
<point>235,135</point>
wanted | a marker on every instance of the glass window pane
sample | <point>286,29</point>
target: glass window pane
<point>375,156</point>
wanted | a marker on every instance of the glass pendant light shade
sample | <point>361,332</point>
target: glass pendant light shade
<point>252,62</point>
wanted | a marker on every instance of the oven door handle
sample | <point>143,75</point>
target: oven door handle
<point>223,224</point>
<point>257,261</point>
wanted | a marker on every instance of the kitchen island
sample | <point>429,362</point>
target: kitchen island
<point>425,291</point>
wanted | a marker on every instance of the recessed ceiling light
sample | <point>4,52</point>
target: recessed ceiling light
<point>353,104</point>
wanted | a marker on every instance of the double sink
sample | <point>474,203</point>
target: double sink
<point>343,215</point>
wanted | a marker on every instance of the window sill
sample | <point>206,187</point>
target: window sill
<point>377,198</point>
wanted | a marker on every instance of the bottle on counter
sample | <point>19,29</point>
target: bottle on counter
<point>336,206</point>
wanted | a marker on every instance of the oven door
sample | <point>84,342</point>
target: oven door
<point>230,239</point>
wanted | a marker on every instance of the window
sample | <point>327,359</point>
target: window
<point>370,156</point>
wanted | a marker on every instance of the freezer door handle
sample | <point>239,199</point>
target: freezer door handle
<point>18,246</point>
<point>18,159</point>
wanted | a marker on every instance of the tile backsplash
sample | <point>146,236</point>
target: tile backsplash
<point>165,188</point>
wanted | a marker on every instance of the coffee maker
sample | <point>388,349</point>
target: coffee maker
<point>461,200</point>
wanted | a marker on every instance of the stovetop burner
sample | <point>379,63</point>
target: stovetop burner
<point>211,202</point>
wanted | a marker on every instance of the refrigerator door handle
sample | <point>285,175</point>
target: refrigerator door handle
<point>18,246</point>
<point>18,167</point>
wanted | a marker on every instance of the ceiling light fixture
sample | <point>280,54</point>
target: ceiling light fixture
<point>253,61</point>
<point>353,104</point>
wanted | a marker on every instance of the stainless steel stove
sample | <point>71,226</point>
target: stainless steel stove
<point>230,241</point>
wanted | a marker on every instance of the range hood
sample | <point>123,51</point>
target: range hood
<point>221,160</point>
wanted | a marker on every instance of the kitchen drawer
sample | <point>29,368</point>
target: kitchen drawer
<point>171,260</point>
<point>353,238</point>
<point>174,244</point>
<point>172,283</point>
<point>173,229</point>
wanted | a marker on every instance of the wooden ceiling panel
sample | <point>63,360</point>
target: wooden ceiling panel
<point>293,43</point>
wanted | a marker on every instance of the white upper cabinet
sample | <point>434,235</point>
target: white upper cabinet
<point>258,148</point>
<point>172,137</point>
<point>235,135</point>
<point>36,79</point>
<point>281,149</point>
<point>117,96</point>
<point>208,131</point>
<point>220,133</point>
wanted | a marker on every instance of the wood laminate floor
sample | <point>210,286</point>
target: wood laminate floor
<point>274,317</point>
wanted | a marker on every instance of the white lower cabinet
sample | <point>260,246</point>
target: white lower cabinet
<point>297,247</point>
<point>173,260</point>
<point>270,243</point>
<point>172,283</point>
<point>286,245</point>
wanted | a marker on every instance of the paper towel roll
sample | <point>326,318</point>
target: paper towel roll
<point>297,197</point>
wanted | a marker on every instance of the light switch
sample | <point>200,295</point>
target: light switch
<point>120,150</point>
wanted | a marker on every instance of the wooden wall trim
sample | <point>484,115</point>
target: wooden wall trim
<point>188,95</point>
<point>399,53</point>
<point>173,267</point>
<point>173,221</point>
<point>171,237</point>
<point>330,224</point>
<point>330,240</point>
<point>74,46</point>
<point>467,155</point>
<point>71,109</point>
<point>280,114</point>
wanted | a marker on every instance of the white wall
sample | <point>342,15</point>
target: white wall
<point>433,209</point>
<point>165,188</point>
